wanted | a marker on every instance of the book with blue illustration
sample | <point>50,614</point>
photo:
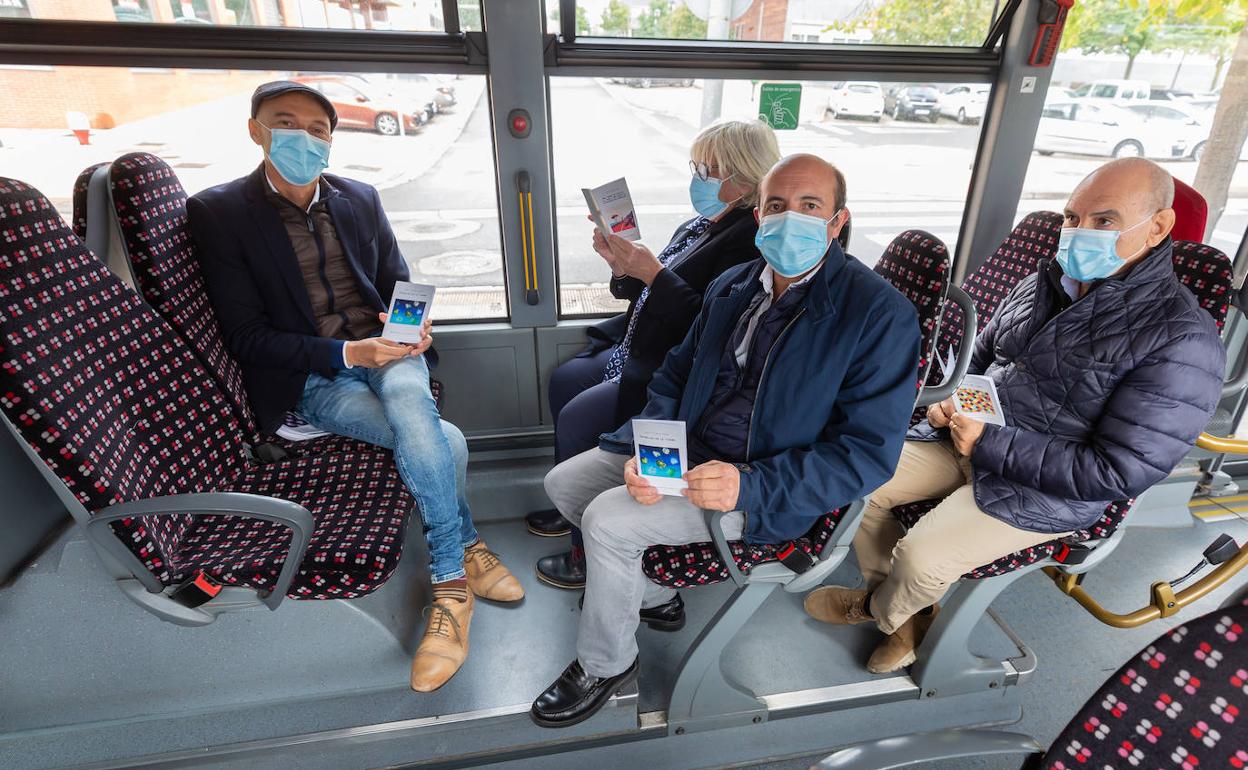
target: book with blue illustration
<point>662,453</point>
<point>409,307</point>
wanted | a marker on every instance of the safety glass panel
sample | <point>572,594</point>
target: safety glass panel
<point>891,22</point>
<point>906,150</point>
<point>400,15</point>
<point>422,140</point>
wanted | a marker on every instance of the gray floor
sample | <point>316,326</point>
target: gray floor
<point>87,676</point>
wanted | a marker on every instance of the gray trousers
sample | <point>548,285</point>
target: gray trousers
<point>589,491</point>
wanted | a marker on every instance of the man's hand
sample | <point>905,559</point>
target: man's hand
<point>714,485</point>
<point>425,343</point>
<point>641,490</point>
<point>938,415</point>
<point>626,257</point>
<point>374,352</point>
<point>965,432</point>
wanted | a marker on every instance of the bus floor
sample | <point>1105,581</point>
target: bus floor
<point>88,677</point>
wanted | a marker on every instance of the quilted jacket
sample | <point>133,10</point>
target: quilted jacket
<point>1101,400</point>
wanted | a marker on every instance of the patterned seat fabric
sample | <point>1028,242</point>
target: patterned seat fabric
<point>151,215</point>
<point>916,263</point>
<point>1180,703</point>
<point>80,199</point>
<point>1207,273</point>
<point>115,404</point>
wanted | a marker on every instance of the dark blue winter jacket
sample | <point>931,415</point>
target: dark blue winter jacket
<point>831,410</point>
<point>1101,400</point>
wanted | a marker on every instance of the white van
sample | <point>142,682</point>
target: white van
<point>1116,90</point>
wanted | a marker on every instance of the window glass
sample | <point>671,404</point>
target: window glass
<point>883,22</point>
<point>404,15</point>
<point>434,171</point>
<point>907,171</point>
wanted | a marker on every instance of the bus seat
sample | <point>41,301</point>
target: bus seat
<point>141,447</point>
<point>917,264</point>
<point>1191,214</point>
<point>1032,239</point>
<point>1176,703</point>
<point>81,184</point>
<point>1206,272</point>
<point>149,205</point>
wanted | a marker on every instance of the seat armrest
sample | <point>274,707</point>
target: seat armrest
<point>909,750</point>
<point>715,522</point>
<point>292,515</point>
<point>934,394</point>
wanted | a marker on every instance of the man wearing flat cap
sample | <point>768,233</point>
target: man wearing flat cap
<point>300,267</point>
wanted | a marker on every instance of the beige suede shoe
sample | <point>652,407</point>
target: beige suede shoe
<point>837,605</point>
<point>444,647</point>
<point>898,648</point>
<point>488,577</point>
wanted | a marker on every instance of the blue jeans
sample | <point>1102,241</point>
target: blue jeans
<point>392,407</point>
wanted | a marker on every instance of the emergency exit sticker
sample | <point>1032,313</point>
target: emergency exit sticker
<point>779,105</point>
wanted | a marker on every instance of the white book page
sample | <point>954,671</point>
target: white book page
<point>409,307</point>
<point>977,398</point>
<point>662,453</point>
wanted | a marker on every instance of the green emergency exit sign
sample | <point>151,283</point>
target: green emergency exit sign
<point>779,105</point>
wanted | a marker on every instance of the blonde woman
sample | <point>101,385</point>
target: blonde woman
<point>605,386</point>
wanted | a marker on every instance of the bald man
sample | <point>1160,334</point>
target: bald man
<point>795,385</point>
<point>1107,370</point>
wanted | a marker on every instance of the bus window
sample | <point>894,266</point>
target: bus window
<point>911,170</point>
<point>434,169</point>
<point>1176,133</point>
<point>802,21</point>
<point>411,16</point>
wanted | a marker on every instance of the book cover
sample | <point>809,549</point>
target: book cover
<point>409,307</point>
<point>977,398</point>
<point>662,453</point>
<point>612,209</point>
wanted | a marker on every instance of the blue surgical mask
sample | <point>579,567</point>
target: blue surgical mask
<point>297,155</point>
<point>1088,255</point>
<point>704,194</point>
<point>792,242</point>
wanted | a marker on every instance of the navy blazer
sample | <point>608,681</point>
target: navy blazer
<point>257,289</point>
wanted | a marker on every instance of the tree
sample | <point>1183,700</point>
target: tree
<point>921,22</point>
<point>652,22</point>
<point>1226,137</point>
<point>582,20</point>
<point>683,25</point>
<point>615,19</point>
<point>1112,26</point>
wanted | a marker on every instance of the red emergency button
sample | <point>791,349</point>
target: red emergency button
<point>518,123</point>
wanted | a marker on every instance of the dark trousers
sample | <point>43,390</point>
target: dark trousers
<point>583,407</point>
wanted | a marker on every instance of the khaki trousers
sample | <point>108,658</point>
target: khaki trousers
<point>909,571</point>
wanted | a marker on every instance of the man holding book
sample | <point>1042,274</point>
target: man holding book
<point>1105,369</point>
<point>300,266</point>
<point>795,383</point>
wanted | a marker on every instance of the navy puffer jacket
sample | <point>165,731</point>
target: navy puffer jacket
<point>1102,400</point>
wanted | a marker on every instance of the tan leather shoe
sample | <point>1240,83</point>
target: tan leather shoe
<point>488,577</point>
<point>898,648</point>
<point>445,644</point>
<point>834,604</point>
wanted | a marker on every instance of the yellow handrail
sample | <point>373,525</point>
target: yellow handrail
<point>1220,444</point>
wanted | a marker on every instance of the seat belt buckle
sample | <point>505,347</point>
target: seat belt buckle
<point>200,589</point>
<point>1068,553</point>
<point>795,558</point>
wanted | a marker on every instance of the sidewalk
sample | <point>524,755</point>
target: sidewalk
<point>208,144</point>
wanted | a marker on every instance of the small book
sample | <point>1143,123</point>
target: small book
<point>408,309</point>
<point>662,453</point>
<point>977,398</point>
<point>612,209</point>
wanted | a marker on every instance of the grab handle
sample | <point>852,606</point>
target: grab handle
<point>528,241</point>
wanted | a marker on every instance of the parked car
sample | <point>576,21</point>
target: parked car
<point>1195,124</point>
<point>1169,94</point>
<point>1058,94</point>
<point>912,103</point>
<point>440,91</point>
<point>1089,127</point>
<point>363,105</point>
<point>1115,90</point>
<point>966,104</point>
<point>856,98</point>
<point>418,92</point>
<point>648,82</point>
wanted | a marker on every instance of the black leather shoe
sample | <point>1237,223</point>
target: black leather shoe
<point>563,570</point>
<point>576,696</point>
<point>548,523</point>
<point>665,617</point>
